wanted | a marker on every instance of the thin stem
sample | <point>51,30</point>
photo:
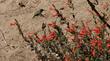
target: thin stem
<point>3,36</point>
<point>21,32</point>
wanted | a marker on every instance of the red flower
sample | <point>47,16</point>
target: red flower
<point>93,43</point>
<point>93,52</point>
<point>13,23</point>
<point>108,51</point>
<point>51,36</point>
<point>108,45</point>
<point>52,24</point>
<point>108,41</point>
<point>44,37</point>
<point>97,37</point>
<point>97,30</point>
<point>86,59</point>
<point>99,44</point>
<point>39,40</point>
<point>84,31</point>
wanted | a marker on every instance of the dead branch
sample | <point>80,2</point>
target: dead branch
<point>102,18</point>
<point>3,36</point>
<point>21,32</point>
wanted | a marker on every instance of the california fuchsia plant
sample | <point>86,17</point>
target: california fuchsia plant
<point>56,43</point>
<point>62,40</point>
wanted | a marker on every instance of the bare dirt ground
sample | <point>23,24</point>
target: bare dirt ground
<point>12,45</point>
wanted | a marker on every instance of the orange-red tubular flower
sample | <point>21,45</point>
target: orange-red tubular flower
<point>108,41</point>
<point>39,40</point>
<point>43,37</point>
<point>51,36</point>
<point>108,45</point>
<point>86,59</point>
<point>93,53</point>
<point>97,30</point>
<point>99,44</point>
<point>93,43</point>
<point>84,31</point>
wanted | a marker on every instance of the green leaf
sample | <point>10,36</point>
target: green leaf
<point>98,59</point>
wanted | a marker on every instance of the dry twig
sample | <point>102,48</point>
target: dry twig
<point>3,36</point>
<point>21,32</point>
<point>102,18</point>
